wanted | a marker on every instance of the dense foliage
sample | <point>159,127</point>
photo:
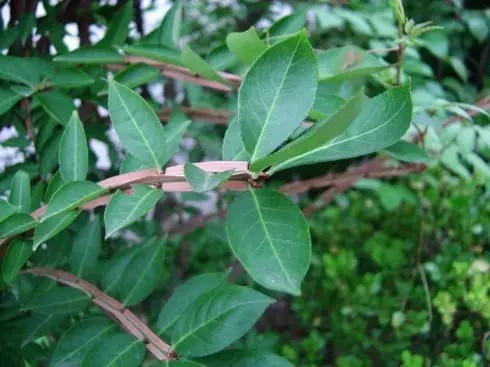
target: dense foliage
<point>249,183</point>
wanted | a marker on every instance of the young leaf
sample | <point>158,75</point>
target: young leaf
<point>17,255</point>
<point>86,248</point>
<point>382,121</point>
<point>276,94</point>
<point>184,295</point>
<point>77,341</point>
<point>121,350</point>
<point>269,236</point>
<point>136,124</point>
<point>233,148</point>
<point>20,192</point>
<point>168,33</point>
<point>202,181</point>
<point>319,134</point>
<point>216,319</point>
<point>57,104</point>
<point>15,224</point>
<point>348,62</point>
<point>118,29</point>
<point>144,272</point>
<point>73,156</point>
<point>51,227</point>
<point>6,210</point>
<point>408,152</point>
<point>61,300</point>
<point>247,46</point>
<point>124,209</point>
<point>70,196</point>
<point>197,64</point>
<point>8,99</point>
<point>91,55</point>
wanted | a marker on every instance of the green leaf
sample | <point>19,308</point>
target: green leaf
<point>54,184</point>
<point>459,67</point>
<point>408,152</point>
<point>175,129</point>
<point>38,325</point>
<point>382,122</point>
<point>91,55</point>
<point>74,344</point>
<point>143,273</point>
<point>137,125</point>
<point>155,52</point>
<point>247,46</point>
<point>57,104</point>
<point>49,155</point>
<point>60,300</point>
<point>72,195</point>
<point>15,224</point>
<point>121,350</point>
<point>118,29</point>
<point>197,64</point>
<point>73,158</point>
<point>117,265</point>
<point>86,248</point>
<point>319,134</point>
<point>51,227</point>
<point>168,33</point>
<point>6,210</point>
<point>135,75</point>
<point>17,255</point>
<point>20,70</point>
<point>202,181</point>
<point>132,164</point>
<point>348,62</point>
<point>8,99</point>
<point>216,319</point>
<point>37,194</point>
<point>478,26</point>
<point>233,147</point>
<point>269,236</point>
<point>241,358</point>
<point>276,94</point>
<point>70,78</point>
<point>286,26</point>
<point>184,295</point>
<point>124,209</point>
<point>20,192</point>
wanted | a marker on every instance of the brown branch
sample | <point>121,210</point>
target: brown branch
<point>218,117</point>
<point>128,320</point>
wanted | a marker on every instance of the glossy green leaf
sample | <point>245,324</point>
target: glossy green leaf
<point>168,33</point>
<point>70,78</point>
<point>155,52</point>
<point>144,272</point>
<point>269,236</point>
<point>15,224</point>
<point>216,319</point>
<point>247,46</point>
<point>73,158</point>
<point>348,62</point>
<point>135,75</point>
<point>118,29</point>
<point>20,70</point>
<point>136,124</point>
<point>6,210</point>
<point>408,152</point>
<point>57,104</point>
<point>132,164</point>
<point>61,300</point>
<point>37,325</point>
<point>202,181</point>
<point>17,255</point>
<point>197,64</point>
<point>382,122</point>
<point>86,248</point>
<point>37,194</point>
<point>20,192</point>
<point>286,26</point>
<point>49,155</point>
<point>111,278</point>
<point>184,295</point>
<point>54,184</point>
<point>72,195</point>
<point>121,350</point>
<point>91,55</point>
<point>175,129</point>
<point>51,227</point>
<point>233,147</point>
<point>124,209</point>
<point>319,134</point>
<point>276,94</point>
<point>74,344</point>
<point>8,99</point>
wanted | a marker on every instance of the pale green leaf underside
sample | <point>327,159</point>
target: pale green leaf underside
<point>202,181</point>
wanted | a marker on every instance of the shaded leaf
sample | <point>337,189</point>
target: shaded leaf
<point>91,55</point>
<point>155,52</point>
<point>233,147</point>
<point>197,64</point>
<point>20,70</point>
<point>6,210</point>
<point>86,248</point>
<point>175,129</point>
<point>60,300</point>
<point>73,156</point>
<point>168,33</point>
<point>247,46</point>
<point>118,29</point>
<point>17,255</point>
<point>15,224</point>
<point>57,104</point>
<point>8,99</point>
<point>121,350</point>
<point>49,228</point>
<point>408,152</point>
<point>70,78</point>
